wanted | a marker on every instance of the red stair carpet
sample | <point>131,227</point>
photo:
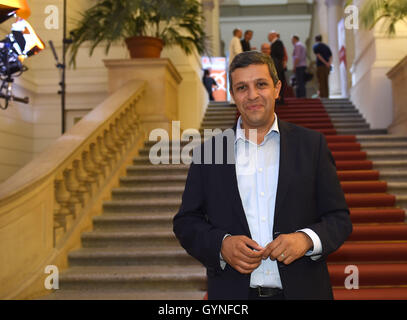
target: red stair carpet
<point>378,244</point>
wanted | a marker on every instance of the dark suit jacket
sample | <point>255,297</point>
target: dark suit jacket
<point>277,50</point>
<point>309,195</point>
<point>277,54</point>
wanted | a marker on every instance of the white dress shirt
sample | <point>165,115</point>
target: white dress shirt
<point>257,169</point>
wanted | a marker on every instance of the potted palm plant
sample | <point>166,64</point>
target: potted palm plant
<point>388,11</point>
<point>146,26</point>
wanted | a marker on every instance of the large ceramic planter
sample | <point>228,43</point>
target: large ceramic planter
<point>144,47</point>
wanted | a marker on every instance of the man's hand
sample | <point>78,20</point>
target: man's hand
<point>287,248</point>
<point>238,252</point>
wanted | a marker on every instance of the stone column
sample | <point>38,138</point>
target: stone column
<point>334,14</point>
<point>160,104</point>
<point>211,14</point>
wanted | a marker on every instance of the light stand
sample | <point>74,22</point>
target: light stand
<point>62,67</point>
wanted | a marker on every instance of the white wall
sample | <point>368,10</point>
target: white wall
<point>375,55</point>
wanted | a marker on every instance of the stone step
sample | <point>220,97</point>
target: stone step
<point>390,164</point>
<point>137,221</point>
<point>160,256</point>
<point>162,169</point>
<point>143,192</point>
<point>230,121</point>
<point>351,125</point>
<point>341,111</point>
<point>141,206</point>
<point>397,188</point>
<point>354,119</point>
<point>161,150</point>
<point>344,104</point>
<point>380,138</point>
<point>385,145</point>
<point>386,155</point>
<point>389,146</point>
<point>401,201</point>
<point>137,278</point>
<point>147,294</point>
<point>360,131</point>
<point>153,237</point>
<point>393,175</point>
<point>229,114</point>
<point>220,109</point>
<point>220,117</point>
<point>148,181</point>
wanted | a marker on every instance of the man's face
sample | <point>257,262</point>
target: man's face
<point>248,36</point>
<point>272,36</point>
<point>254,94</point>
<point>266,49</point>
<point>239,34</point>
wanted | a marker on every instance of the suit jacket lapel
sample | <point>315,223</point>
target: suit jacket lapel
<point>229,180</point>
<point>231,188</point>
<point>288,147</point>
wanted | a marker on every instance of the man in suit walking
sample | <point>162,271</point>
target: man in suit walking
<point>245,42</point>
<point>264,223</point>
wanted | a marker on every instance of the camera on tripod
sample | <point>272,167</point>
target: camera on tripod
<point>20,44</point>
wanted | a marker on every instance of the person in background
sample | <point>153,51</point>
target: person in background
<point>285,58</point>
<point>266,48</point>
<point>299,65</point>
<point>245,42</point>
<point>324,61</point>
<point>277,54</point>
<point>235,46</point>
<point>209,83</point>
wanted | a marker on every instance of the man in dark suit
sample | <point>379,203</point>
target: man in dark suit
<point>278,54</point>
<point>248,35</point>
<point>263,223</point>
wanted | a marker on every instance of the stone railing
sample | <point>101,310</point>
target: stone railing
<point>398,77</point>
<point>47,204</point>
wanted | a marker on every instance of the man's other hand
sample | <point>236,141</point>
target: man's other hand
<point>242,253</point>
<point>287,248</point>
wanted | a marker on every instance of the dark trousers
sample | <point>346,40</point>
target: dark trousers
<point>322,74</point>
<point>300,78</point>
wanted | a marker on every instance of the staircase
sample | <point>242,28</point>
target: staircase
<point>133,254</point>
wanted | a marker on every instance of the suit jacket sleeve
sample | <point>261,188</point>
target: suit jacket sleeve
<point>191,226</point>
<point>334,224</point>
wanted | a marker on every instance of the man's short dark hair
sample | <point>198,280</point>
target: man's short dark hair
<point>247,58</point>
<point>296,37</point>
<point>248,31</point>
<point>318,38</point>
<point>235,31</point>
